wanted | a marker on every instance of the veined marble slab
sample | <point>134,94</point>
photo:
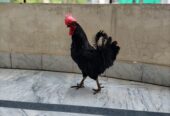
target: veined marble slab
<point>57,63</point>
<point>141,72</point>
<point>125,70</point>
<point>53,87</point>
<point>156,74</point>
<point>5,61</point>
<point>26,61</point>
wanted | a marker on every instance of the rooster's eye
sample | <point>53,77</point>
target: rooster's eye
<point>69,24</point>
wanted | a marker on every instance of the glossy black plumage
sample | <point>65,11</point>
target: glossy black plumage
<point>93,60</point>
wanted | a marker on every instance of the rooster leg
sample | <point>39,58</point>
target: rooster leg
<point>99,87</point>
<point>81,85</point>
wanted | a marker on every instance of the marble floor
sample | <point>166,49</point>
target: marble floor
<point>54,88</point>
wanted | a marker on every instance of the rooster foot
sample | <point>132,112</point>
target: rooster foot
<point>101,86</point>
<point>97,90</point>
<point>78,86</point>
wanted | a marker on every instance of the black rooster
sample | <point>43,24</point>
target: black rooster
<point>92,61</point>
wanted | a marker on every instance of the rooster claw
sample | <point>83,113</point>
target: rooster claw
<point>78,86</point>
<point>96,91</point>
<point>101,86</point>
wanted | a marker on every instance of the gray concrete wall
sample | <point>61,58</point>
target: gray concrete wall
<point>144,33</point>
<point>40,29</point>
<point>33,36</point>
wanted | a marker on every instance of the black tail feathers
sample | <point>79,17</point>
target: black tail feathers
<point>100,35</point>
<point>115,47</point>
<point>106,40</point>
<point>107,48</point>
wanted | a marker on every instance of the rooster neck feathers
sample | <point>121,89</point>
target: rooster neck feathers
<point>79,38</point>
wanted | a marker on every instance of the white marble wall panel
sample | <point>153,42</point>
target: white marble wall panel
<point>5,61</point>
<point>57,63</point>
<point>26,61</point>
<point>125,70</point>
<point>156,74</point>
<point>148,73</point>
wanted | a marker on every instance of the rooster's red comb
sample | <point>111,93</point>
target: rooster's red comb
<point>69,19</point>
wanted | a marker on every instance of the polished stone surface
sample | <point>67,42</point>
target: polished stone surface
<point>54,88</point>
<point>57,63</point>
<point>156,74</point>
<point>125,70</point>
<point>5,61</point>
<point>147,73</point>
<point>26,61</point>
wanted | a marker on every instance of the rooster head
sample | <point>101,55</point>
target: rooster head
<point>69,22</point>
